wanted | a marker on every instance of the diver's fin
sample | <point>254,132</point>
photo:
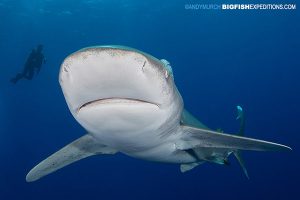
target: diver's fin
<point>81,148</point>
<point>189,166</point>
<point>196,137</point>
<point>238,153</point>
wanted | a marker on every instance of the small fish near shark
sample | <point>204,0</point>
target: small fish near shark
<point>127,102</point>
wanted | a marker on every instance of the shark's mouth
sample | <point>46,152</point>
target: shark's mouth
<point>116,100</point>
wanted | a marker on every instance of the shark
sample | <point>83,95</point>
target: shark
<point>127,102</point>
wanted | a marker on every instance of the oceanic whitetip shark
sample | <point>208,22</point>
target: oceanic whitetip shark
<point>127,102</point>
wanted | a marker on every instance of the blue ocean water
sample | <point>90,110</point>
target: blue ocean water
<point>220,59</point>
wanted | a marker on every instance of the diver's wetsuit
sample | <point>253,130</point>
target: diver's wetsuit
<point>34,61</point>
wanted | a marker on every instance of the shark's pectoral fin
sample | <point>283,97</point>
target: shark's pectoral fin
<point>189,166</point>
<point>196,137</point>
<point>81,148</point>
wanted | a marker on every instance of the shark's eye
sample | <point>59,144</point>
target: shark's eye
<point>168,68</point>
<point>166,74</point>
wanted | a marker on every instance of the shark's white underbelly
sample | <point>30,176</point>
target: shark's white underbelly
<point>166,153</point>
<point>152,145</point>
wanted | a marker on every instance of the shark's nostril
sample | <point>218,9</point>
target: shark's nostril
<point>143,67</point>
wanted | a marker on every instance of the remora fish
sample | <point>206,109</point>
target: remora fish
<point>127,102</point>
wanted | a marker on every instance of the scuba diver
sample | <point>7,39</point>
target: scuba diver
<point>34,62</point>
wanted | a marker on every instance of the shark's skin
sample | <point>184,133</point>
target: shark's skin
<point>127,102</point>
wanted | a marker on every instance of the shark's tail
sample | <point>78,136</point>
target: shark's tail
<point>238,153</point>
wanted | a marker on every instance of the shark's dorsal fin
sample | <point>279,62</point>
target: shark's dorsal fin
<point>189,120</point>
<point>81,148</point>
